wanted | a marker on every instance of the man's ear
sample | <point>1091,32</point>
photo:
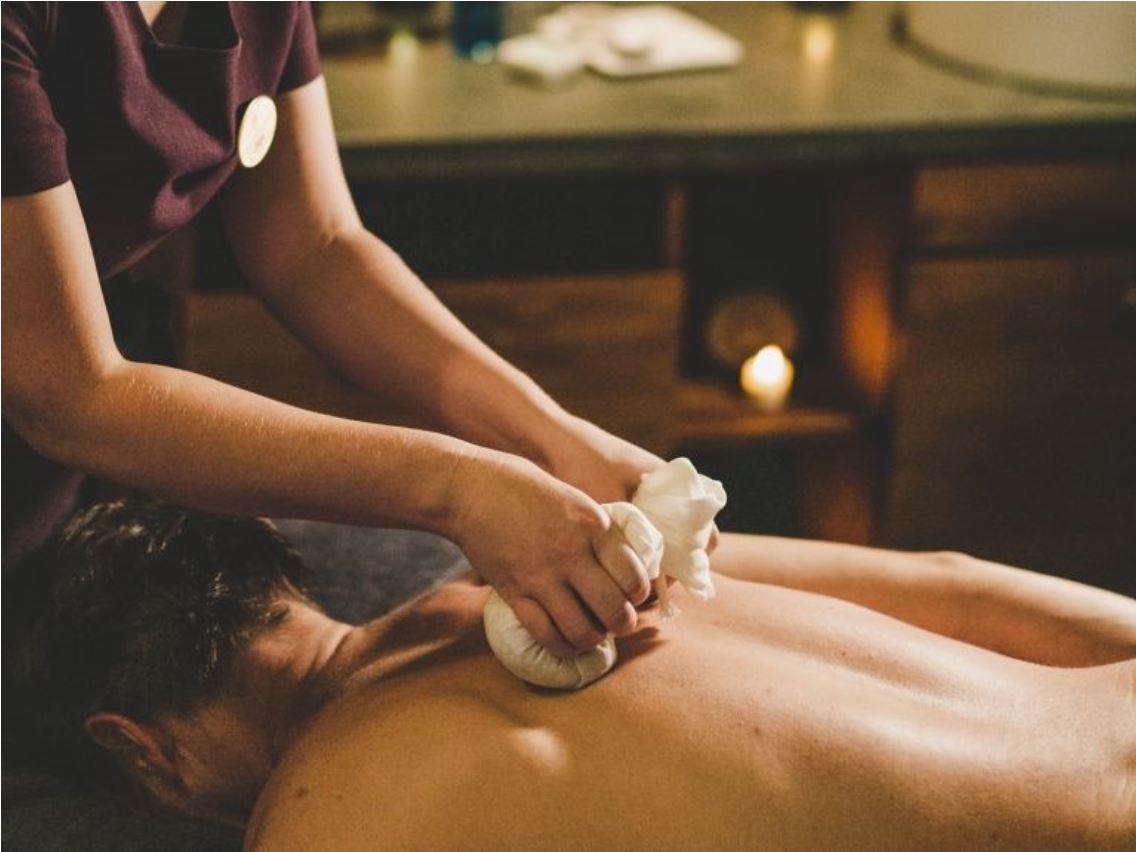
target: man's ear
<point>143,752</point>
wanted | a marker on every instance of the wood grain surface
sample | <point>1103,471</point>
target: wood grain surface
<point>1015,415</point>
<point>604,347</point>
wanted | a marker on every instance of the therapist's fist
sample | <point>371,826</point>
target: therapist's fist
<point>602,465</point>
<point>597,462</point>
<point>548,549</point>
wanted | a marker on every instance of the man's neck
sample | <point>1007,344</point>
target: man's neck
<point>288,672</point>
<point>280,679</point>
<point>291,670</point>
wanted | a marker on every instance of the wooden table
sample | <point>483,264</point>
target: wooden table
<point>812,88</point>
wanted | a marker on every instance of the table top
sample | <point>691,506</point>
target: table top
<point>813,88</point>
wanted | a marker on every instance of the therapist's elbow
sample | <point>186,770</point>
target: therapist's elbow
<point>273,272</point>
<point>61,416</point>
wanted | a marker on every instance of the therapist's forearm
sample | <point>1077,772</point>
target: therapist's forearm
<point>215,447</point>
<point>358,305</point>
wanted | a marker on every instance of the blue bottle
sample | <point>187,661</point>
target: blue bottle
<point>477,29</point>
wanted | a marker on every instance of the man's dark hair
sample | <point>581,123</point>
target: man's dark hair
<point>135,607</point>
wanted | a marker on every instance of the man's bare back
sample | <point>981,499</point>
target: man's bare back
<point>769,717</point>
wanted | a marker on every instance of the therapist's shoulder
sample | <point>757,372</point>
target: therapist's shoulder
<point>25,30</point>
<point>280,37</point>
<point>279,23</point>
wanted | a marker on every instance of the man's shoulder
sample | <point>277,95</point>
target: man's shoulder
<point>377,774</point>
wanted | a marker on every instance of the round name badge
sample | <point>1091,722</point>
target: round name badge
<point>257,130</point>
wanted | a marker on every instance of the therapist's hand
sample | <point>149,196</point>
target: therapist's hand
<point>605,467</point>
<point>548,549</point>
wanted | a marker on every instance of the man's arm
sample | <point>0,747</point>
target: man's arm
<point>299,240</point>
<point>1019,613</point>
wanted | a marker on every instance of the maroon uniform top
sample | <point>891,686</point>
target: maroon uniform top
<point>147,133</point>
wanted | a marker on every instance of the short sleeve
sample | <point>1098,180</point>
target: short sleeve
<point>302,65</point>
<point>35,145</point>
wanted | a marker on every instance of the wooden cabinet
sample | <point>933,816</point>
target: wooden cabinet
<point>1024,205</point>
<point>604,346</point>
<point>970,375</point>
<point>1015,408</point>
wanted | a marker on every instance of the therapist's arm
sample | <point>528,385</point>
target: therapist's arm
<point>299,240</point>
<point>69,393</point>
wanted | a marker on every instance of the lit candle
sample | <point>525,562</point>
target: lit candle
<point>820,39</point>
<point>766,378</point>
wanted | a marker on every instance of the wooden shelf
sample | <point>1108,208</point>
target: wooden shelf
<point>712,412</point>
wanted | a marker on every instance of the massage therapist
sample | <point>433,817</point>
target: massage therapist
<point>121,122</point>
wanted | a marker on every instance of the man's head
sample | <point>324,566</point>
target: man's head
<point>126,632</point>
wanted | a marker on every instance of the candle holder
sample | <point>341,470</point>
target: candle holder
<point>741,323</point>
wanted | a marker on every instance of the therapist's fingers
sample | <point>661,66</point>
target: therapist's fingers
<point>537,622</point>
<point>607,602</point>
<point>715,537</point>
<point>623,565</point>
<point>571,617</point>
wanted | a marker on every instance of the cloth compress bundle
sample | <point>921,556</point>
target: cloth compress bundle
<point>668,525</point>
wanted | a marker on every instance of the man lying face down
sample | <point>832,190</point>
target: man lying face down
<point>127,647</point>
<point>829,697</point>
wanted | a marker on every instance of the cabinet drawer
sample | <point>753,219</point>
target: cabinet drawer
<point>605,347</point>
<point>1026,205</point>
<point>230,336</point>
<point>1016,413</point>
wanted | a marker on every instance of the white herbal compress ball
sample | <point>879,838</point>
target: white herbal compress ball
<point>525,657</point>
<point>668,527</point>
<point>521,654</point>
<point>682,503</point>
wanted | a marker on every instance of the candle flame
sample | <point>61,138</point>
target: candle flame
<point>769,365</point>
<point>403,48</point>
<point>767,377</point>
<point>820,40</point>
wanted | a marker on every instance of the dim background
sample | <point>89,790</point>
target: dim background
<point>944,247</point>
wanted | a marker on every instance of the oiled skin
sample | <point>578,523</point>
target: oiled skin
<point>767,718</point>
